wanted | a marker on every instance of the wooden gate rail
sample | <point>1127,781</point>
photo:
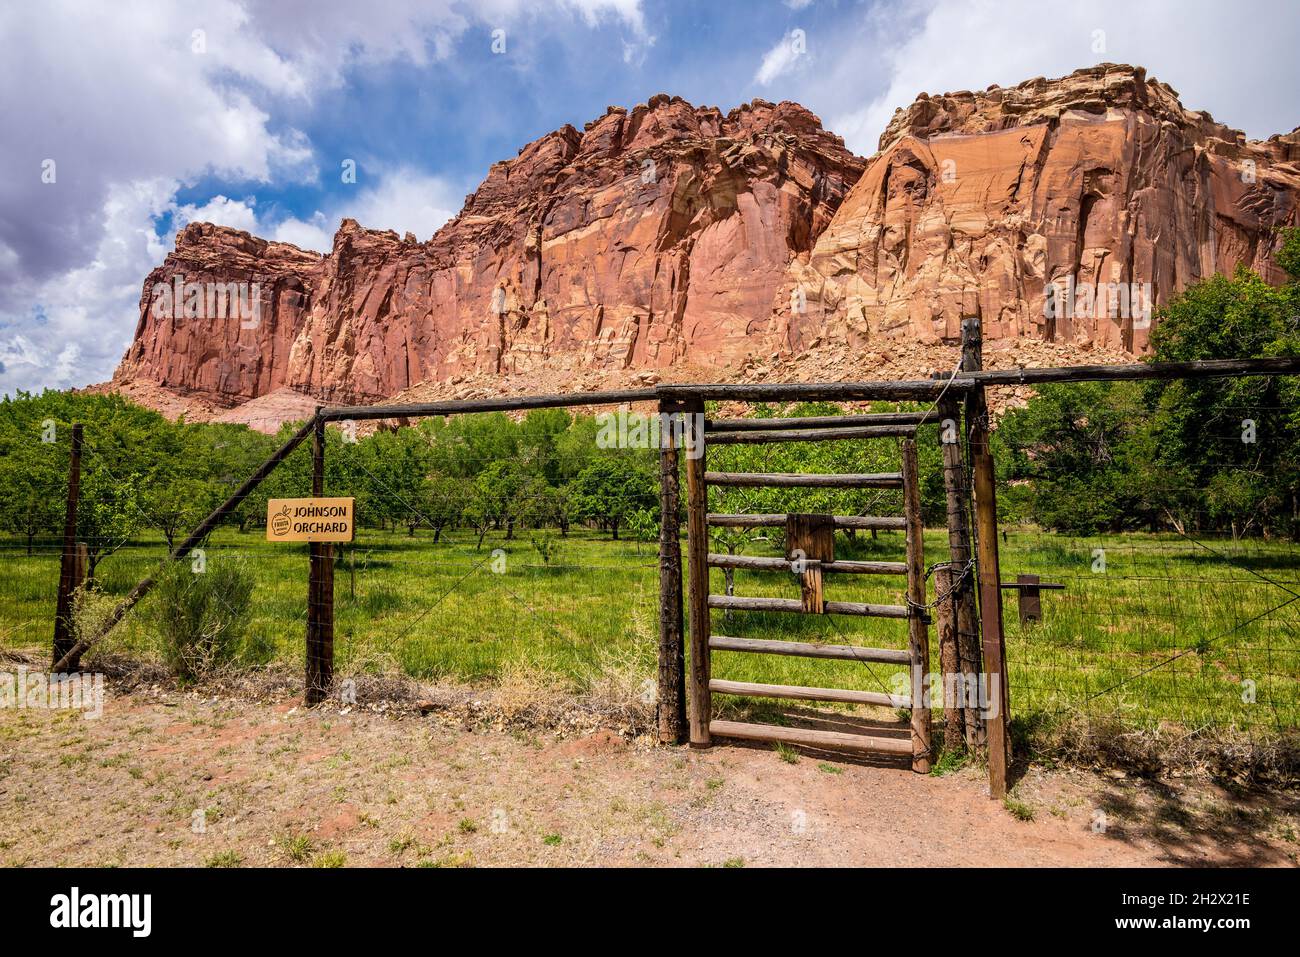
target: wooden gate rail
<point>812,435</point>
<point>812,536</point>
<point>804,480</point>
<point>859,522</point>
<point>763,563</point>
<point>819,422</point>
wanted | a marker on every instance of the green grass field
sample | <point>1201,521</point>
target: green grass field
<point>442,611</point>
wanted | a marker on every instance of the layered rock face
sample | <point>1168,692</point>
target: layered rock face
<point>977,202</point>
<point>750,244</point>
<point>654,233</point>
<point>226,358</point>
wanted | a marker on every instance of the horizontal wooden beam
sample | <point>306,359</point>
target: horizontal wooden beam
<point>738,603</point>
<point>498,404</point>
<point>825,391</point>
<point>833,740</point>
<point>812,435</point>
<point>816,391</point>
<point>763,563</point>
<point>820,422</point>
<point>861,522</point>
<point>1201,369</point>
<point>804,480</point>
<point>808,649</point>
<point>799,693</point>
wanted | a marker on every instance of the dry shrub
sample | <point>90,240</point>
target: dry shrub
<point>530,694</point>
<point>622,688</point>
<point>623,691</point>
<point>1103,741</point>
<point>91,609</point>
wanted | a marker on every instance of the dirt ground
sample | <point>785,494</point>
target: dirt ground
<point>166,778</point>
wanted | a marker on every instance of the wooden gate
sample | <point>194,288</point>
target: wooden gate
<point>810,554</point>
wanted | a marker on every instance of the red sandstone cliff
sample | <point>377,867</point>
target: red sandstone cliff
<point>665,229</point>
<point>976,201</point>
<point>748,244</point>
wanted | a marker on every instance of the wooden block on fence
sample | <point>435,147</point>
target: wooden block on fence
<point>1031,600</point>
<point>810,540</point>
<point>80,562</point>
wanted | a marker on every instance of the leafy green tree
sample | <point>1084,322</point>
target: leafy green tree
<point>465,445</point>
<point>177,505</point>
<point>395,469</point>
<point>33,476</point>
<point>109,514</point>
<point>540,432</point>
<point>1068,443</point>
<point>610,489</point>
<point>445,500</point>
<point>1236,439</point>
<point>500,490</point>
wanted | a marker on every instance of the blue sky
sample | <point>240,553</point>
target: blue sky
<point>241,111</point>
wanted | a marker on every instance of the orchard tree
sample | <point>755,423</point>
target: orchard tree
<point>610,489</point>
<point>33,477</point>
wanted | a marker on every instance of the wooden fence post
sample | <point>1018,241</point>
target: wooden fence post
<point>64,638</point>
<point>918,633</point>
<point>965,632</point>
<point>697,544</point>
<point>986,541</point>
<point>954,737</point>
<point>320,589</point>
<point>671,700</point>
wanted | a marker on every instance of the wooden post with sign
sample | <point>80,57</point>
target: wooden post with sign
<point>64,639</point>
<point>320,590</point>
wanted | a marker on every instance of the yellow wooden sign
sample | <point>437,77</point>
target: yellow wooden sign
<point>309,520</point>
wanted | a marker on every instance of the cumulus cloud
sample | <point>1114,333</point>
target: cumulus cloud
<point>404,200</point>
<point>82,318</point>
<point>111,109</point>
<point>1244,75</point>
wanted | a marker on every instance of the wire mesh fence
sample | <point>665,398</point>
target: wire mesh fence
<point>1179,559</point>
<point>531,543</point>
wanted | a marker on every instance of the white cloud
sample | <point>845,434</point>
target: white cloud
<point>82,319</point>
<point>235,213</point>
<point>315,233</point>
<point>1244,75</point>
<point>133,105</point>
<point>782,58</point>
<point>404,200</point>
<point>594,11</point>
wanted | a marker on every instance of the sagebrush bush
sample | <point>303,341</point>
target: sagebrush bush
<point>201,618</point>
<point>91,609</point>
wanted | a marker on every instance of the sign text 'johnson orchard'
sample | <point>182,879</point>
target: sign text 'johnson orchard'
<point>309,520</point>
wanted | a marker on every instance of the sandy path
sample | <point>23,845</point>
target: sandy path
<point>279,785</point>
